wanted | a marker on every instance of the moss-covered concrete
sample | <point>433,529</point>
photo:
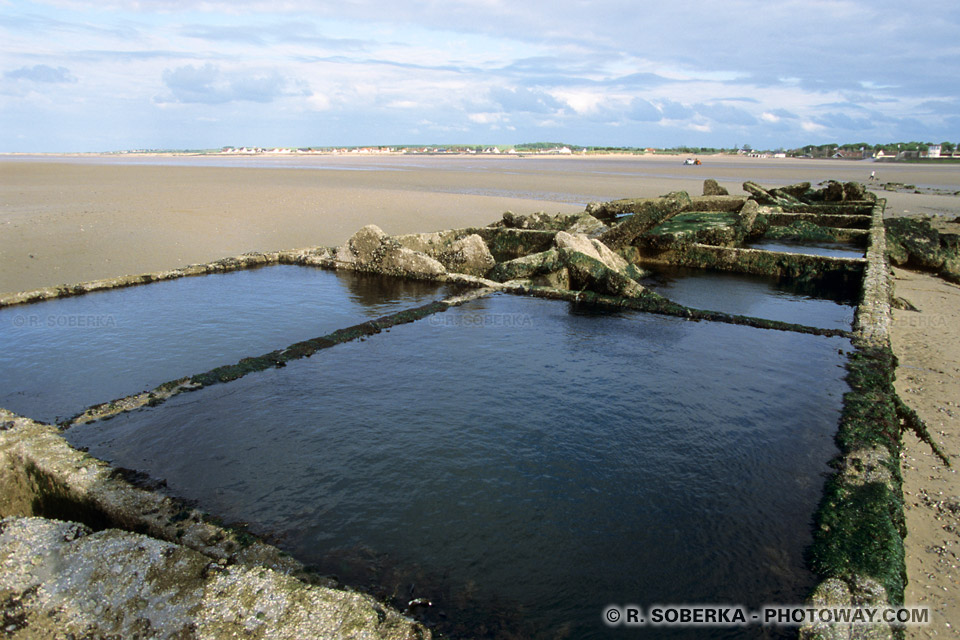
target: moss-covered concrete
<point>646,214</point>
<point>831,197</point>
<point>802,231</point>
<point>842,272</point>
<point>507,244</point>
<point>857,551</point>
<point>914,242</point>
<point>713,228</point>
<point>841,221</point>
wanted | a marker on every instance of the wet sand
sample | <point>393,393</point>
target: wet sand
<point>66,220</point>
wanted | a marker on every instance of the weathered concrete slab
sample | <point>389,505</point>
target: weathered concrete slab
<point>858,540</point>
<point>647,213</point>
<point>571,222</point>
<point>370,249</point>
<point>838,220</point>
<point>60,579</point>
<point>717,203</point>
<point>508,244</point>
<point>759,262</point>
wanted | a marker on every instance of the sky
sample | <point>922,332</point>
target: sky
<point>148,74</point>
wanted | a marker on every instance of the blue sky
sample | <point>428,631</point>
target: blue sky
<point>126,74</point>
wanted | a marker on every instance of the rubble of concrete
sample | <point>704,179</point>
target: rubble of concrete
<point>803,194</point>
<point>914,242</point>
<point>370,249</point>
<point>712,188</point>
<point>645,215</point>
<point>575,262</point>
<point>583,223</point>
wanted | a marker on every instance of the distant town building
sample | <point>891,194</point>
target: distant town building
<point>851,154</point>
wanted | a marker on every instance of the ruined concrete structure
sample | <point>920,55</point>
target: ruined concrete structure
<point>194,576</point>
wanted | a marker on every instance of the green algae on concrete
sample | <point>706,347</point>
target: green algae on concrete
<point>913,242</point>
<point>860,521</point>
<point>646,214</point>
<point>651,302</point>
<point>508,244</point>
<point>857,551</point>
<point>801,267</point>
<point>712,228</point>
<point>307,348</point>
<point>835,220</point>
<point>802,231</point>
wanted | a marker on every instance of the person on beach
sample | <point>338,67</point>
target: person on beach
<point>873,176</point>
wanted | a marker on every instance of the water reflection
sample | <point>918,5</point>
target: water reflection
<point>521,477</point>
<point>59,356</point>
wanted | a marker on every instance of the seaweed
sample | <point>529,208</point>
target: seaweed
<point>860,522</point>
<point>803,231</point>
<point>869,416</point>
<point>911,420</point>
<point>307,348</point>
<point>651,302</point>
<point>860,533</point>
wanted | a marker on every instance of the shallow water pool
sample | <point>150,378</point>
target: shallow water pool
<point>58,357</point>
<point>522,463</point>
<point>829,249</point>
<point>757,296</point>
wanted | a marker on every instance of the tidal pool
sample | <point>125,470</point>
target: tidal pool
<point>758,296</point>
<point>522,463</point>
<point>829,249</point>
<point>60,356</point>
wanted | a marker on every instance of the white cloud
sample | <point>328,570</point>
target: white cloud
<point>580,100</point>
<point>485,118</point>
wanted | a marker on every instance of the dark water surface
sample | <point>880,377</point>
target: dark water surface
<point>522,463</point>
<point>58,357</point>
<point>756,296</point>
<point>830,249</point>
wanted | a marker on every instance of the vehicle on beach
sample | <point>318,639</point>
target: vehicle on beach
<point>691,161</point>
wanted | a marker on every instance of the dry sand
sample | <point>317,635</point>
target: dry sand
<point>66,220</point>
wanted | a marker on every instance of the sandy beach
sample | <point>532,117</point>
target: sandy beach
<point>66,220</point>
<point>76,219</point>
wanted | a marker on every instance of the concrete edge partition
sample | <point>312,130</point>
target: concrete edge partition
<point>278,358</point>
<point>758,262</point>
<point>654,303</point>
<point>245,261</point>
<point>838,220</point>
<point>43,475</point>
<point>844,207</point>
<point>225,582</point>
<point>857,552</point>
<point>650,303</point>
